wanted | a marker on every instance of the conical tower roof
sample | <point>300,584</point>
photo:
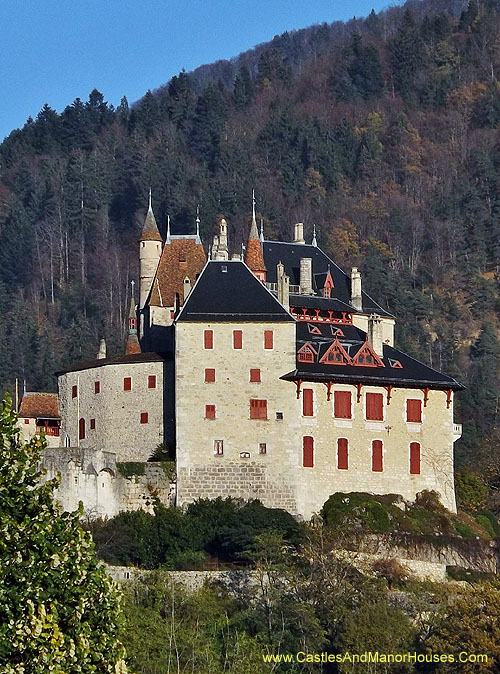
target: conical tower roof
<point>253,254</point>
<point>150,231</point>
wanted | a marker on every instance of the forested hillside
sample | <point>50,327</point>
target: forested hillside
<point>383,131</point>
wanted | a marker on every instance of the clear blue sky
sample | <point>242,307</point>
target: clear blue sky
<point>53,51</point>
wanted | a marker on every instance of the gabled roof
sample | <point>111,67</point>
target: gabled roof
<point>227,290</point>
<point>290,253</point>
<point>35,405</point>
<point>148,357</point>
<point>180,257</point>
<point>410,373</point>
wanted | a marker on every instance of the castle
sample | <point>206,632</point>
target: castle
<point>272,375</point>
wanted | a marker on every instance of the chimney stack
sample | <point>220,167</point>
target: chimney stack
<point>298,233</point>
<point>102,350</point>
<point>356,299</point>
<point>375,334</point>
<point>306,276</point>
<point>283,286</point>
<point>186,287</point>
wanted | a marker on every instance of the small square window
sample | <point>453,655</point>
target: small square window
<point>279,416</point>
<point>127,383</point>
<point>74,391</point>
<point>97,387</point>
<point>152,381</point>
<point>255,375</point>
<point>92,424</point>
<point>209,375</point>
<point>26,421</point>
<point>218,447</point>
<point>144,417</point>
<point>209,411</point>
<point>262,448</point>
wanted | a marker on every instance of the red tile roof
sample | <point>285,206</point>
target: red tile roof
<point>179,258</point>
<point>44,405</point>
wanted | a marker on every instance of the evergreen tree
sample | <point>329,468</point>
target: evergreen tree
<point>243,88</point>
<point>406,56</point>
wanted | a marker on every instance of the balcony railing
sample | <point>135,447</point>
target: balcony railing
<point>48,430</point>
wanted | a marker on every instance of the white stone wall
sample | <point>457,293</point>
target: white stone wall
<point>361,321</point>
<point>278,478</point>
<point>28,430</point>
<point>117,413</point>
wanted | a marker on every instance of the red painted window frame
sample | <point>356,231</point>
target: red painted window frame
<point>209,375</point>
<point>268,339</point>
<point>414,410</point>
<point>414,458</point>
<point>342,404</point>
<point>237,339</point>
<point>218,447</point>
<point>97,387</point>
<point>92,424</point>
<point>127,383</point>
<point>377,456</point>
<point>342,454</point>
<point>208,339</point>
<point>375,400</point>
<point>307,402</point>
<point>258,408</point>
<point>209,411</point>
<point>308,451</point>
<point>151,381</point>
<point>255,375</point>
<point>144,418</point>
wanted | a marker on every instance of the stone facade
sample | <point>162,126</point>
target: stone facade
<point>119,424</point>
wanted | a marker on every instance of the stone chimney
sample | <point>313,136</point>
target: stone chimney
<point>356,298</point>
<point>283,286</point>
<point>102,350</point>
<point>298,233</point>
<point>375,334</point>
<point>306,276</point>
<point>186,287</point>
<point>220,249</point>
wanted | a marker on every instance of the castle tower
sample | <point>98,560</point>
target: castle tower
<point>150,245</point>
<point>253,254</point>
<point>220,250</point>
<point>132,345</point>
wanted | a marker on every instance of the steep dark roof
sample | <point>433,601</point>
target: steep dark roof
<point>227,290</point>
<point>290,253</point>
<point>412,373</point>
<point>326,303</point>
<point>148,357</point>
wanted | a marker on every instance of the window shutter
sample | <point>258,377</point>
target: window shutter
<point>208,339</point>
<point>258,409</point>
<point>152,381</point>
<point>127,383</point>
<point>308,451</point>
<point>74,391</point>
<point>377,456</point>
<point>144,417</point>
<point>342,454</point>
<point>307,402</point>
<point>97,387</point>
<point>81,429</point>
<point>268,339</point>
<point>375,406</point>
<point>237,339</point>
<point>209,375</point>
<point>342,404</point>
<point>209,411</point>
<point>255,375</point>
<point>414,410</point>
<point>92,424</point>
<point>415,458</point>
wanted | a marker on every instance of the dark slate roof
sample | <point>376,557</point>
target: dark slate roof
<point>227,290</point>
<point>326,303</point>
<point>148,357</point>
<point>290,253</point>
<point>412,374</point>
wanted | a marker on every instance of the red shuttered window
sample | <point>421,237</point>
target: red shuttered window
<point>268,339</point>
<point>144,417</point>
<point>375,406</point>
<point>255,375</point>
<point>81,429</point>
<point>74,391</point>
<point>342,454</point>
<point>258,409</point>
<point>308,451</point>
<point>97,387</point>
<point>152,381</point>
<point>415,458</point>
<point>307,402</point>
<point>414,410</point>
<point>92,424</point>
<point>377,456</point>
<point>237,339</point>
<point>209,375</point>
<point>342,404</point>
<point>208,339</point>
<point>127,383</point>
<point>209,411</point>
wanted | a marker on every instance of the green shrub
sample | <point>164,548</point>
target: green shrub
<point>131,468</point>
<point>471,490</point>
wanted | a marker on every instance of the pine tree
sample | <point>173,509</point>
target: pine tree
<point>59,612</point>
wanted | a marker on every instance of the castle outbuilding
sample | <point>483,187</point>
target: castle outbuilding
<point>271,375</point>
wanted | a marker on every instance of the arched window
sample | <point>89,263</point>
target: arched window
<point>81,429</point>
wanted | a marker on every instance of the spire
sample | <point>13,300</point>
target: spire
<point>198,238</point>
<point>262,230</point>
<point>132,345</point>
<point>314,242</point>
<point>253,254</point>
<point>167,240</point>
<point>150,231</point>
